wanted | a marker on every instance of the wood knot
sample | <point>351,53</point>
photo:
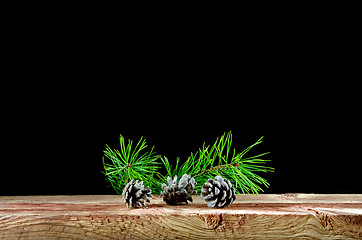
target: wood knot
<point>326,221</point>
<point>242,220</point>
<point>212,220</point>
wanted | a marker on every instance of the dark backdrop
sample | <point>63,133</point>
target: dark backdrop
<point>56,146</point>
<point>72,92</point>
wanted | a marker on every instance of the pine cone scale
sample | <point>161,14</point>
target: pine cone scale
<point>217,191</point>
<point>223,195</point>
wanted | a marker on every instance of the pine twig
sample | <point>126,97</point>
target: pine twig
<point>217,168</point>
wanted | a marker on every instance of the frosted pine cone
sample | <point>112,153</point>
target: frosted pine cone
<point>135,193</point>
<point>178,193</point>
<point>218,192</point>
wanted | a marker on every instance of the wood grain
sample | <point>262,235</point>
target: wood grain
<point>265,216</point>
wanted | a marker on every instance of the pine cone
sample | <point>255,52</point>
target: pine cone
<point>135,193</point>
<point>178,193</point>
<point>218,192</point>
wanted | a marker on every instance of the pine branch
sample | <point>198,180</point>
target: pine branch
<point>218,159</point>
<point>128,163</point>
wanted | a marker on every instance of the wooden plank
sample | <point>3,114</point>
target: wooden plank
<point>265,216</point>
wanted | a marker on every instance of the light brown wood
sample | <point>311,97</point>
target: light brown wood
<point>265,216</point>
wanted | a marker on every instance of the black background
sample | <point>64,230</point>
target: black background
<point>71,94</point>
<point>58,148</point>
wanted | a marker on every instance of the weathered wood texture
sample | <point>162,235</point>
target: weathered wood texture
<point>287,216</point>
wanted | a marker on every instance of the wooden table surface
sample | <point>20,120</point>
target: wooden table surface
<point>264,216</point>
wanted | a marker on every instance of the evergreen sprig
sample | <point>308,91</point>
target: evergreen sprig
<point>207,162</point>
<point>220,159</point>
<point>129,163</point>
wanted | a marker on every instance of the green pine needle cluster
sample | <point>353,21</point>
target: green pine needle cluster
<point>217,159</point>
<point>130,163</point>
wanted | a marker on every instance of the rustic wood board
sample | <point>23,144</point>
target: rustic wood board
<point>265,216</point>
